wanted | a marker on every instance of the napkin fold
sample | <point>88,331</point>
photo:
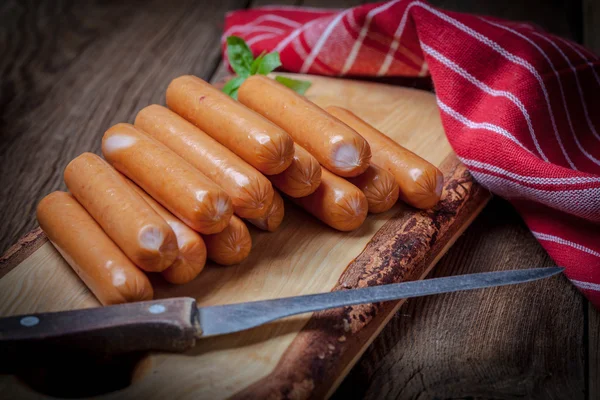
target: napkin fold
<point>520,107</point>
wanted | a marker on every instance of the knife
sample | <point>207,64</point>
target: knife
<point>173,325</point>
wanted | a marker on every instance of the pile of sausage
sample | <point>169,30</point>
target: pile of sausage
<point>174,187</point>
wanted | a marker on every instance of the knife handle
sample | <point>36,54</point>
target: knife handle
<point>168,325</point>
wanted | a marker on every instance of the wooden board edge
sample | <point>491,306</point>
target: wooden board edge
<point>405,248</point>
<point>389,311</point>
<point>18,252</point>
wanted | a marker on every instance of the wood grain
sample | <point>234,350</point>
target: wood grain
<point>18,252</point>
<point>593,353</point>
<point>404,249</point>
<point>429,352</point>
<point>591,25</point>
<point>52,53</point>
<point>100,332</point>
<point>70,70</point>
<point>303,257</point>
<point>513,342</point>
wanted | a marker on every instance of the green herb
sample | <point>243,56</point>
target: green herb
<point>297,86</point>
<point>244,64</point>
<point>240,55</point>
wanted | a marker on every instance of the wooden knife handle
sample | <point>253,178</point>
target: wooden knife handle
<point>169,325</point>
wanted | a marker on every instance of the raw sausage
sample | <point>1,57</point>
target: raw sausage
<point>336,202</point>
<point>420,181</point>
<point>379,186</point>
<point>335,145</point>
<point>250,191</point>
<point>271,221</point>
<point>302,177</point>
<point>168,178</point>
<point>96,259</point>
<point>192,250</point>
<point>126,218</point>
<point>262,144</point>
<point>232,245</point>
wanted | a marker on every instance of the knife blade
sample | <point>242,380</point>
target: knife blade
<point>230,318</point>
<point>173,325</point>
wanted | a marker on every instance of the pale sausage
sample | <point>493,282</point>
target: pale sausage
<point>302,177</point>
<point>262,144</point>
<point>250,191</point>
<point>420,182</point>
<point>168,178</point>
<point>335,145</point>
<point>379,186</point>
<point>271,221</point>
<point>232,245</point>
<point>96,259</point>
<point>192,250</point>
<point>126,218</point>
<point>336,202</point>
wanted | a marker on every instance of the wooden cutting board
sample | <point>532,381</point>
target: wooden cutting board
<point>302,356</point>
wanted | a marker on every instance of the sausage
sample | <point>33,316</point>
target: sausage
<point>232,245</point>
<point>192,250</point>
<point>126,218</point>
<point>302,177</point>
<point>168,178</point>
<point>335,145</point>
<point>271,221</point>
<point>336,202</point>
<point>420,182</point>
<point>262,144</point>
<point>96,259</point>
<point>379,186</point>
<point>251,193</point>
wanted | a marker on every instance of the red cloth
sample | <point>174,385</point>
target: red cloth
<point>520,107</point>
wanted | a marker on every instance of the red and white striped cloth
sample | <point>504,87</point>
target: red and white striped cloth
<point>520,107</point>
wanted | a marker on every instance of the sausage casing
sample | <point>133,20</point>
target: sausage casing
<point>302,177</point>
<point>420,182</point>
<point>126,218</point>
<point>271,221</point>
<point>379,186</point>
<point>192,250</point>
<point>262,144</point>
<point>230,246</point>
<point>168,178</point>
<point>250,191</point>
<point>336,202</point>
<point>96,259</point>
<point>334,144</point>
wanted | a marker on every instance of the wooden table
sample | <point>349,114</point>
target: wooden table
<point>72,69</point>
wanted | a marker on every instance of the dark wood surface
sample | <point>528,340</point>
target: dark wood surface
<point>69,70</point>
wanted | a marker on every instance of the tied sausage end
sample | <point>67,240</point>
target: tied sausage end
<point>254,199</point>
<point>230,246</point>
<point>350,213</point>
<point>274,216</point>
<point>211,216</point>
<point>426,191</point>
<point>189,263</point>
<point>152,241</point>
<point>351,159</point>
<point>276,154</point>
<point>303,176</point>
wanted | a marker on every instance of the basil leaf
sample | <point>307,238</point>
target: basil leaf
<point>268,63</point>
<point>256,63</point>
<point>239,55</point>
<point>297,86</point>
<point>232,86</point>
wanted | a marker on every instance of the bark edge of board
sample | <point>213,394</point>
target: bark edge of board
<point>405,248</point>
